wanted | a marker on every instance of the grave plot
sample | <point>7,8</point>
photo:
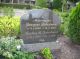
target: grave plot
<point>39,30</point>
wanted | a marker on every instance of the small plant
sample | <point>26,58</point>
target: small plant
<point>46,52</point>
<point>57,4</point>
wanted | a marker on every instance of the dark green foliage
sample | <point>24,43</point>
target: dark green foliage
<point>74,24</point>
<point>57,4</point>
<point>74,1</point>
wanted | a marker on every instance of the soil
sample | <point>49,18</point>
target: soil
<point>68,49</point>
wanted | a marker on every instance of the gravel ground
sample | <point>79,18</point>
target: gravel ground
<point>68,49</point>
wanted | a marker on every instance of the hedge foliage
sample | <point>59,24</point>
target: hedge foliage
<point>18,6</point>
<point>7,11</point>
<point>64,17</point>
<point>74,25</point>
<point>9,26</point>
<point>41,3</point>
<point>57,4</point>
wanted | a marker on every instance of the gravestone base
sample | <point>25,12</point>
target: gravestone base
<point>38,46</point>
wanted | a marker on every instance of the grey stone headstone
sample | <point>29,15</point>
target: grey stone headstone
<point>34,28</point>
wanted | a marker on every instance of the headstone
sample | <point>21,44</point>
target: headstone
<point>39,26</point>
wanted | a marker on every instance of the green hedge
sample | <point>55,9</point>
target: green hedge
<point>18,6</point>
<point>9,26</point>
<point>7,11</point>
<point>41,3</point>
<point>57,4</point>
<point>74,25</point>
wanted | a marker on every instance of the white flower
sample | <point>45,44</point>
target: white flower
<point>57,41</point>
<point>19,47</point>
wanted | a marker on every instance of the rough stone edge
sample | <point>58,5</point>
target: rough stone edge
<point>38,46</point>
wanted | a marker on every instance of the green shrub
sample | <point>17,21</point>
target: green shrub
<point>41,3</point>
<point>74,25</point>
<point>9,26</point>
<point>57,4</point>
<point>16,6</point>
<point>64,24</point>
<point>8,11</point>
<point>64,17</point>
<point>46,52</point>
<point>9,45</point>
<point>8,49</point>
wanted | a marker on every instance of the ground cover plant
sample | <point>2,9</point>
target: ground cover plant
<point>9,50</point>
<point>8,45</point>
